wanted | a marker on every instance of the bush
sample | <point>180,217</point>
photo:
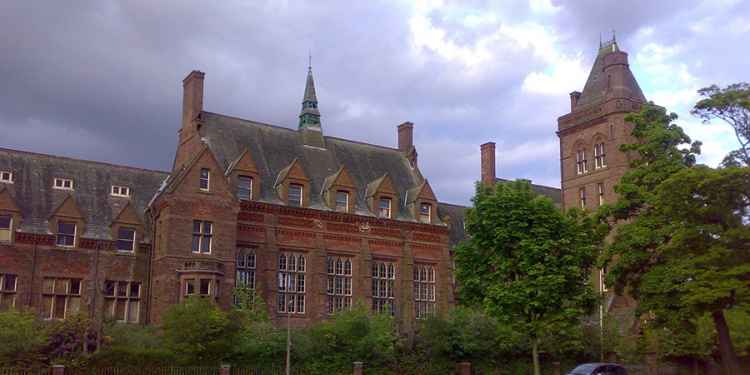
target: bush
<point>22,337</point>
<point>125,344</point>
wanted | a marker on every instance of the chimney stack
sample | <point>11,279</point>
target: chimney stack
<point>192,96</point>
<point>488,163</point>
<point>574,96</point>
<point>406,142</point>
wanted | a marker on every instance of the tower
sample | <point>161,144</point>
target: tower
<point>591,163</point>
<point>309,117</point>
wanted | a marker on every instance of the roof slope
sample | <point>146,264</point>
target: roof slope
<point>273,148</point>
<point>598,85</point>
<point>33,193</point>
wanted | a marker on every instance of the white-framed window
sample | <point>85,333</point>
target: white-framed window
<point>338,284</point>
<point>61,297</point>
<point>424,290</point>
<point>201,287</point>
<point>384,208</point>
<point>291,285</point>
<point>63,183</point>
<point>126,239</point>
<point>342,201</point>
<point>600,158</point>
<point>600,192</point>
<point>6,177</point>
<point>120,191</point>
<point>383,283</point>
<point>602,276</point>
<point>244,188</point>
<point>202,236</point>
<point>66,234</point>
<point>122,300</point>
<point>6,228</point>
<point>425,213</point>
<point>582,197</point>
<point>294,197</point>
<point>8,288</point>
<point>581,166</point>
<point>245,268</point>
<point>205,179</point>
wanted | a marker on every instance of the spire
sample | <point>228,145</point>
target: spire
<point>309,115</point>
<point>610,77</point>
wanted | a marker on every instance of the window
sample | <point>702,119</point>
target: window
<point>582,197</point>
<point>120,191</point>
<point>383,282</point>
<point>600,192</point>
<point>384,208</point>
<point>244,188</point>
<point>66,234</point>
<point>600,160</point>
<point>6,228</point>
<point>424,213</point>
<point>6,177</point>
<point>339,284</point>
<point>295,195</point>
<point>126,239</point>
<point>424,290</point>
<point>602,277</point>
<point>291,297</point>
<point>581,167</point>
<point>201,287</point>
<point>8,287</point>
<point>245,269</point>
<point>122,300</point>
<point>342,201</point>
<point>204,179</point>
<point>63,183</point>
<point>202,234</point>
<point>61,297</point>
<point>189,287</point>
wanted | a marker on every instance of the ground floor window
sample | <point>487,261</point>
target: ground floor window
<point>8,288</point>
<point>122,300</point>
<point>424,290</point>
<point>291,285</point>
<point>61,297</point>
<point>338,284</point>
<point>383,282</point>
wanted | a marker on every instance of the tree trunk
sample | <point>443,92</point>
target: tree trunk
<point>729,360</point>
<point>535,356</point>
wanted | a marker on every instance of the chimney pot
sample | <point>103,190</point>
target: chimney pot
<point>488,163</point>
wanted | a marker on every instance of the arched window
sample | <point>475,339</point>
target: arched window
<point>600,157</point>
<point>339,285</point>
<point>424,290</point>
<point>291,293</point>
<point>383,282</point>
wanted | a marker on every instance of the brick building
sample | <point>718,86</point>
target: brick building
<point>313,223</point>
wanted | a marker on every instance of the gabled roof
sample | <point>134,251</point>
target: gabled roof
<point>273,148</point>
<point>36,199</point>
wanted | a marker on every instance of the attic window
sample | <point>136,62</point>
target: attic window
<point>244,188</point>
<point>204,179</point>
<point>126,239</point>
<point>6,223</point>
<point>384,208</point>
<point>120,191</point>
<point>294,197</point>
<point>425,211</point>
<point>63,183</point>
<point>342,201</point>
<point>66,234</point>
<point>6,177</point>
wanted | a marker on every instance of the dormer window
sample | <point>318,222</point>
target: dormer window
<point>6,177</point>
<point>244,188</point>
<point>600,160</point>
<point>384,208</point>
<point>126,239</point>
<point>120,191</point>
<point>342,201</point>
<point>425,213</point>
<point>294,197</point>
<point>6,228</point>
<point>66,234</point>
<point>204,179</point>
<point>581,167</point>
<point>63,183</point>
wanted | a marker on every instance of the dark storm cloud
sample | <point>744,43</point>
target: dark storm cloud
<point>102,79</point>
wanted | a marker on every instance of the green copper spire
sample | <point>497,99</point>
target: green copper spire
<point>309,116</point>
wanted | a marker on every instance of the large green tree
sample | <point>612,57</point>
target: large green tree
<point>525,262</point>
<point>683,249</point>
<point>732,105</point>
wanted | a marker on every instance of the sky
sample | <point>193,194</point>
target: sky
<point>101,80</point>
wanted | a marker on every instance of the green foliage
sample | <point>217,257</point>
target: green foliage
<point>70,341</point>
<point>22,336</point>
<point>732,105</point>
<point>197,332</point>
<point>128,344</point>
<point>526,263</point>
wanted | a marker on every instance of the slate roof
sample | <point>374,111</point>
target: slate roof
<point>273,149</point>
<point>596,89</point>
<point>33,193</point>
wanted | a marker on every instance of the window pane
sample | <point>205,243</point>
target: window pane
<point>122,289</point>
<point>75,286</point>
<point>4,221</point>
<point>9,283</point>
<point>61,286</point>
<point>342,201</point>
<point>295,195</point>
<point>205,287</point>
<point>59,310</point>
<point>244,187</point>
<point>109,288</point>
<point>301,264</point>
<point>133,311</point>
<point>135,290</point>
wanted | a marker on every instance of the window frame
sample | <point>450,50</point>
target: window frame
<point>58,234</point>
<point>600,156</point>
<point>127,298</point>
<point>301,195</point>
<point>120,239</point>
<point>8,294</point>
<point>425,219</point>
<point>202,235</point>
<point>67,295</point>
<point>582,197</point>
<point>240,178</point>
<point>291,283</point>
<point>339,283</point>
<point>600,192</point>
<point>425,290</point>
<point>336,206</point>
<point>389,209</point>
<point>62,182</point>
<point>9,229</point>
<point>119,191</point>
<point>246,268</point>
<point>204,180</point>
<point>6,177</point>
<point>383,284</point>
<point>581,162</point>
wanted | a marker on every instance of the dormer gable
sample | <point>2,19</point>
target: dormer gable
<point>190,179</point>
<point>340,185</point>
<point>7,203</point>
<point>127,215</point>
<point>382,189</point>
<point>293,177</point>
<point>243,163</point>
<point>68,209</point>
<point>243,177</point>
<point>127,230</point>
<point>422,203</point>
<point>67,223</point>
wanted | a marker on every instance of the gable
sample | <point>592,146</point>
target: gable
<point>292,171</point>
<point>342,178</point>
<point>187,180</point>
<point>6,201</point>
<point>128,215</point>
<point>244,163</point>
<point>426,192</point>
<point>68,208</point>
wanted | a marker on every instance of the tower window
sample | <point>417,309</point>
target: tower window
<point>582,198</point>
<point>294,196</point>
<point>384,208</point>
<point>202,235</point>
<point>244,188</point>
<point>342,201</point>
<point>581,166</point>
<point>425,213</point>
<point>205,178</point>
<point>600,160</point>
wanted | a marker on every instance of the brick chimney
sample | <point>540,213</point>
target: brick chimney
<point>574,96</point>
<point>406,142</point>
<point>488,163</point>
<point>192,105</point>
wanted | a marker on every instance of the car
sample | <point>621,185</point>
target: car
<point>599,369</point>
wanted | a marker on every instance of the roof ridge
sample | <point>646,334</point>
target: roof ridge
<point>362,143</point>
<point>530,182</point>
<point>453,204</point>
<point>82,160</point>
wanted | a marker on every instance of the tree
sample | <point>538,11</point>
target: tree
<point>732,105</point>
<point>684,250</point>
<point>22,338</point>
<point>525,262</point>
<point>199,333</point>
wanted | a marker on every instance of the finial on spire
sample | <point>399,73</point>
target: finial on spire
<point>614,36</point>
<point>600,39</point>
<point>309,60</point>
